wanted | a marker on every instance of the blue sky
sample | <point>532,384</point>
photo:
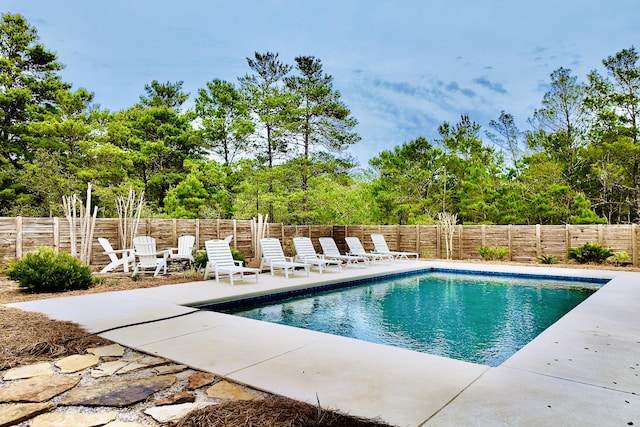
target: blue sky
<point>402,67</point>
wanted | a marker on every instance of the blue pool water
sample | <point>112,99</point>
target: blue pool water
<point>477,318</point>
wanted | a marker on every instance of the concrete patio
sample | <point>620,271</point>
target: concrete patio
<point>583,370</point>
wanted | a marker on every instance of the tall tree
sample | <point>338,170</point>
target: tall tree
<point>167,94</point>
<point>225,120</point>
<point>30,88</point>
<point>473,170</point>
<point>562,122</point>
<point>320,120</point>
<point>157,141</point>
<point>271,103</point>
<point>410,181</point>
<point>615,100</point>
<point>507,137</point>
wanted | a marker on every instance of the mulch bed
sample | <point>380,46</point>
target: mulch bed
<point>271,412</point>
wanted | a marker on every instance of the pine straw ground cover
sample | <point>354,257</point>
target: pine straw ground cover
<point>29,337</point>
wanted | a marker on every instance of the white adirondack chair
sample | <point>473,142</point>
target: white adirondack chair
<point>148,258</point>
<point>119,257</point>
<point>184,251</point>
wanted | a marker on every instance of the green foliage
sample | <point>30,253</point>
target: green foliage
<point>590,252</point>
<point>583,213</point>
<point>200,260</point>
<point>48,271</point>
<point>619,258</point>
<point>547,259</point>
<point>238,256</point>
<point>275,143</point>
<point>493,252</point>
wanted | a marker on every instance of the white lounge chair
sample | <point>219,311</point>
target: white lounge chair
<point>184,251</point>
<point>274,258</point>
<point>356,248</point>
<point>381,247</point>
<point>221,262</point>
<point>306,253</point>
<point>119,257</point>
<point>331,251</point>
<point>148,258</point>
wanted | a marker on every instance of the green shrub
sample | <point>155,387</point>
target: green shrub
<point>237,255</point>
<point>619,258</point>
<point>547,259</point>
<point>493,252</point>
<point>200,260</point>
<point>48,271</point>
<point>589,252</point>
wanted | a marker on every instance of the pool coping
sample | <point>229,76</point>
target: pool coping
<point>546,380</point>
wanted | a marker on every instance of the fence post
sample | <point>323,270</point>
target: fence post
<point>56,233</point>
<point>634,244</point>
<point>509,242</point>
<point>460,241</point>
<point>439,241</point>
<point>235,234</point>
<point>538,240</point>
<point>601,236</point>
<point>175,232</point>
<point>19,234</point>
<point>197,233</point>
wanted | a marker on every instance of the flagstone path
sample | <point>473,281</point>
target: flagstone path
<point>109,386</point>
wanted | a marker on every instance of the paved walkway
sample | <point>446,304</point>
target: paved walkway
<point>583,370</point>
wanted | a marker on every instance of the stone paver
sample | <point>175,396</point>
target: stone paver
<point>16,413</point>
<point>59,419</point>
<point>172,413</point>
<point>37,389</point>
<point>28,371</point>
<point>200,379</point>
<point>169,369</point>
<point>227,391</point>
<point>117,392</point>
<point>177,398</point>
<point>114,350</point>
<point>77,362</point>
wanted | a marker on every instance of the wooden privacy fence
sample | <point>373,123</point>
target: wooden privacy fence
<point>20,235</point>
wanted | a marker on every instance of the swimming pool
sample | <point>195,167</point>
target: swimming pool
<point>476,318</point>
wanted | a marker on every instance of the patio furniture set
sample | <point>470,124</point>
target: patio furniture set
<point>144,257</point>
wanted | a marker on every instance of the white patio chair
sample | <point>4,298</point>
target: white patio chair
<point>274,258</point>
<point>331,251</point>
<point>184,251</point>
<point>356,248</point>
<point>306,253</point>
<point>147,256</point>
<point>221,262</point>
<point>381,247</point>
<point>119,257</point>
